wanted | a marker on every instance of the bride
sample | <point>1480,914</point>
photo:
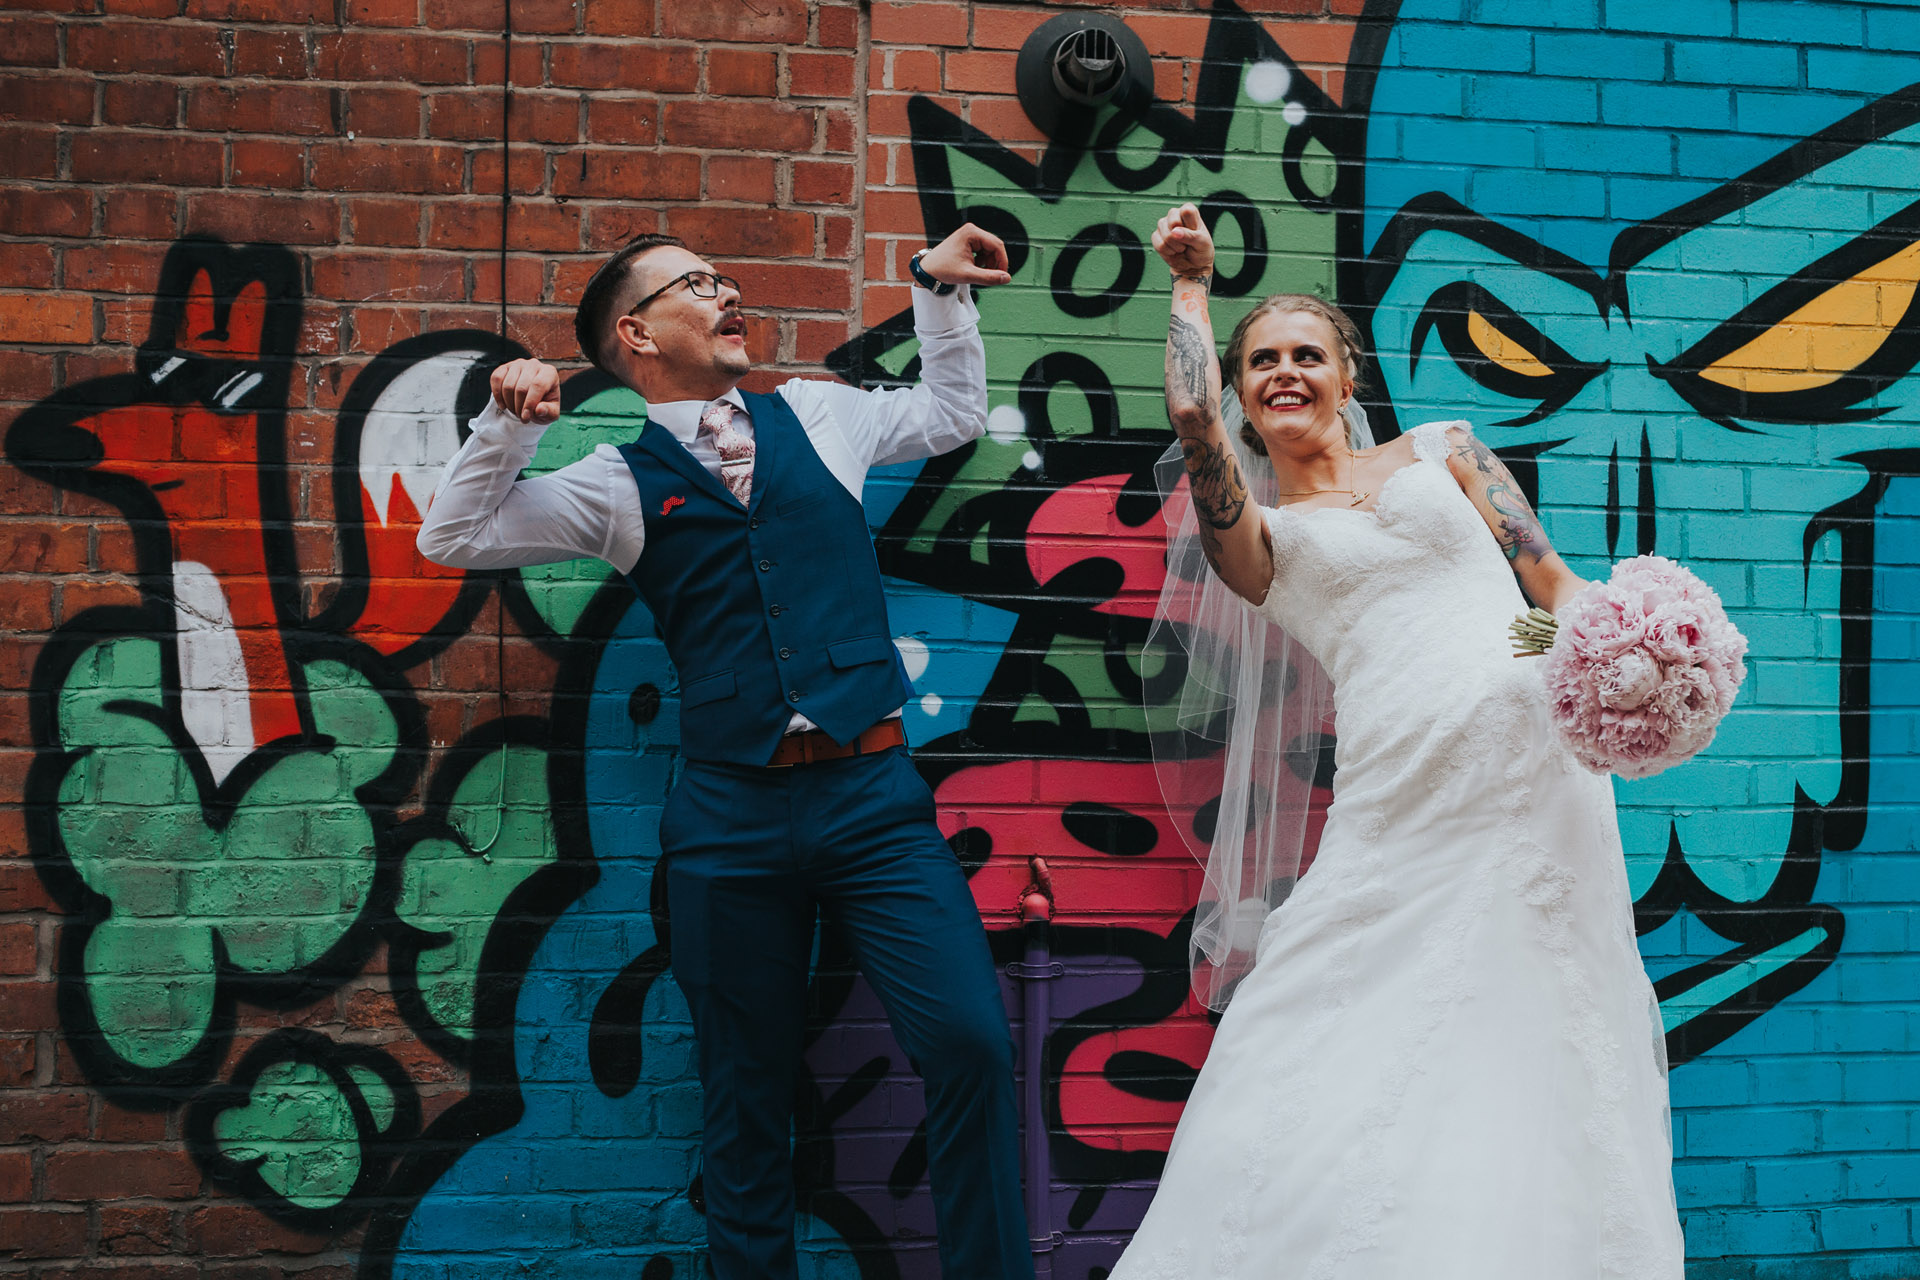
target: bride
<point>1442,1057</point>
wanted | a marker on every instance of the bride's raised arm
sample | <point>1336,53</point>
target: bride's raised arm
<point>1231,529</point>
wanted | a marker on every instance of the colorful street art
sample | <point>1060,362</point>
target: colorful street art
<point>252,794</point>
<point>1695,344</point>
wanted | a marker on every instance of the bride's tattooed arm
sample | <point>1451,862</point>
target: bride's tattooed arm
<point>1213,473</point>
<point>1232,533</point>
<point>1543,574</point>
<point>1193,388</point>
<point>1518,530</point>
<point>1193,407</point>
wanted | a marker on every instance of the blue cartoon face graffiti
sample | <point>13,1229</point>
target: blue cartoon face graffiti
<point>1681,301</point>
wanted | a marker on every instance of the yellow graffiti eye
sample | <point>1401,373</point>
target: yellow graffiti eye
<point>1504,350</point>
<point>1829,337</point>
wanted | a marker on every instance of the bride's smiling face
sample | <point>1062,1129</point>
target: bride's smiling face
<point>1294,380</point>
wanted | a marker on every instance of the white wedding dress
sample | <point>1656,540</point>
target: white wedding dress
<point>1446,1063</point>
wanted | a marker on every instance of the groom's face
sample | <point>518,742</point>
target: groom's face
<point>685,333</point>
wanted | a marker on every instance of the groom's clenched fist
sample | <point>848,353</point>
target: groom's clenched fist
<point>528,389</point>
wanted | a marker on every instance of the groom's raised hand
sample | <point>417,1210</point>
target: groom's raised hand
<point>528,389</point>
<point>968,256</point>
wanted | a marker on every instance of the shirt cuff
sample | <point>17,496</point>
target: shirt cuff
<point>497,422</point>
<point>936,314</point>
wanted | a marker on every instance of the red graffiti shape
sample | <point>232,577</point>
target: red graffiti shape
<point>1053,808</point>
<point>204,469</point>
<point>1079,523</point>
<point>407,594</point>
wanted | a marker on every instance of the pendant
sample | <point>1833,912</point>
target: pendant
<point>1358,498</point>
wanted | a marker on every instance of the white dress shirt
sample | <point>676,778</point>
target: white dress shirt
<point>483,516</point>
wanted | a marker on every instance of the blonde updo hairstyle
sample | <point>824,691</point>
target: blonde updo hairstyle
<point>1233,363</point>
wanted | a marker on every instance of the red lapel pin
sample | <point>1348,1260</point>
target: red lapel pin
<point>666,508</point>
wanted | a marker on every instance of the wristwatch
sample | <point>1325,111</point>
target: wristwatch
<point>924,280</point>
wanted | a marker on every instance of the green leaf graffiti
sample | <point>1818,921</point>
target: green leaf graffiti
<point>305,1126</point>
<point>454,896</point>
<point>560,592</point>
<point>297,1132</point>
<point>262,884</point>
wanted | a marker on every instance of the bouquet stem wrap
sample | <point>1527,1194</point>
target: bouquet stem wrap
<point>1640,669</point>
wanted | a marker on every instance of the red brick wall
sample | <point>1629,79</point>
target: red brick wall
<point>372,141</point>
<point>227,225</point>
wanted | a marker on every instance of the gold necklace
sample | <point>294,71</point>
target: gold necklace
<point>1354,496</point>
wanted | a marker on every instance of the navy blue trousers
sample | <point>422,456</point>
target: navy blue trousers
<point>750,855</point>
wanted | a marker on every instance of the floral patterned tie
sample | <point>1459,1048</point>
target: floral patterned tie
<point>736,450</point>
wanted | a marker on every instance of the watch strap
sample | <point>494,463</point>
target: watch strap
<point>924,280</point>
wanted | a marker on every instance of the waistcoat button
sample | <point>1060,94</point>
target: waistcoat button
<point>793,695</point>
<point>765,565</point>
<point>776,610</point>
<point>785,654</point>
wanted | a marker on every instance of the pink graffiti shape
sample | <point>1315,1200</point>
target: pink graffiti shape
<point>1079,523</point>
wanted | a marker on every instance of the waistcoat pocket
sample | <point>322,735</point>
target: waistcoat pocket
<point>707,689</point>
<point>801,501</point>
<point>859,650</point>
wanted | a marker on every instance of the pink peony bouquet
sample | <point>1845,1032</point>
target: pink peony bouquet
<point>1640,668</point>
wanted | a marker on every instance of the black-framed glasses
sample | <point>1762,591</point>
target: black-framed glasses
<point>702,284</point>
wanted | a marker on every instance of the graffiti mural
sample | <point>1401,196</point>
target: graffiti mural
<point>221,760</point>
<point>297,762</point>
<point>1684,313</point>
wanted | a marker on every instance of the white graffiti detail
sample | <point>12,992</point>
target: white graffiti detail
<point>411,431</point>
<point>213,675</point>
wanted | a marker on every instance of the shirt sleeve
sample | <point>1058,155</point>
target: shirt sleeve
<point>484,517</point>
<point>944,410</point>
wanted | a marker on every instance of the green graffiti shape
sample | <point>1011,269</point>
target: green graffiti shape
<point>297,1132</point>
<point>452,894</point>
<point>1024,321</point>
<point>274,886</point>
<point>560,592</point>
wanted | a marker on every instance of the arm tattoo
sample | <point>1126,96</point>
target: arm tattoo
<point>1189,363</point>
<point>1482,458</point>
<point>1213,475</point>
<point>1519,529</point>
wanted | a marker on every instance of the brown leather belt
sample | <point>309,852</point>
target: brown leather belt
<point>814,745</point>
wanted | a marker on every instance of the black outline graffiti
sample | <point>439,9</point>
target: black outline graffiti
<point>377,1146</point>
<point>1837,401</point>
<point>1066,265</point>
<point>49,441</point>
<point>1787,909</point>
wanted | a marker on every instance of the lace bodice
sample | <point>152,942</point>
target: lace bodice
<point>1406,606</point>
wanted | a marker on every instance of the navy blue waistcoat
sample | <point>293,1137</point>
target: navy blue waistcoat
<point>766,609</point>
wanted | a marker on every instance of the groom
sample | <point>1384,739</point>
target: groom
<point>737,518</point>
